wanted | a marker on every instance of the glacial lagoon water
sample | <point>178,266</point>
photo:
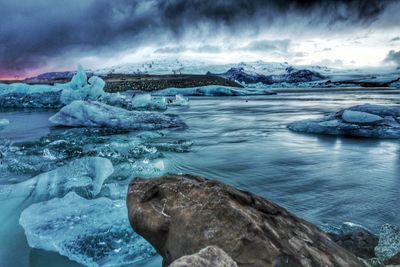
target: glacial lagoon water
<point>242,141</point>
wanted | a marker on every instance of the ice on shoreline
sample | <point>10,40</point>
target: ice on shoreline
<point>364,121</point>
<point>92,232</point>
<point>96,114</point>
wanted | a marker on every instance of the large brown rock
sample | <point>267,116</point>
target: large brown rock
<point>181,214</point>
<point>210,256</point>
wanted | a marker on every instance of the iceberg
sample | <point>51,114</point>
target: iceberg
<point>22,95</point>
<point>213,90</point>
<point>85,176</point>
<point>92,232</point>
<point>389,242</point>
<point>179,100</point>
<point>31,100</point>
<point>93,90</point>
<point>147,102</point>
<point>96,114</point>
<point>360,117</point>
<point>363,121</point>
<point>4,122</point>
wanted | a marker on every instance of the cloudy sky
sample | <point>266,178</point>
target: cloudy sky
<point>45,35</point>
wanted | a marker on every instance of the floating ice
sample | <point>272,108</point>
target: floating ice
<point>389,241</point>
<point>84,176</point>
<point>179,100</point>
<point>4,122</point>
<point>52,96</point>
<point>146,101</point>
<point>363,120</point>
<point>90,91</point>
<point>359,117</point>
<point>92,232</point>
<point>96,114</point>
<point>79,80</point>
<point>213,90</point>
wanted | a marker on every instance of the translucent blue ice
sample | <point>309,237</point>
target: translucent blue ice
<point>92,232</point>
<point>96,114</point>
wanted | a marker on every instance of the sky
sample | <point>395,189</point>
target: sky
<point>49,35</point>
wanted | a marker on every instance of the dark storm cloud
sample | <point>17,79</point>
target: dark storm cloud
<point>35,32</point>
<point>393,57</point>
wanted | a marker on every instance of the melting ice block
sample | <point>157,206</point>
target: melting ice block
<point>363,120</point>
<point>52,96</point>
<point>92,232</point>
<point>96,114</point>
<point>179,100</point>
<point>84,176</point>
<point>4,122</point>
<point>146,101</point>
<point>92,90</point>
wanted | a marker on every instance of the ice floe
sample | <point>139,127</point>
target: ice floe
<point>147,102</point>
<point>364,120</point>
<point>96,114</point>
<point>212,90</point>
<point>4,122</point>
<point>92,232</point>
<point>84,176</point>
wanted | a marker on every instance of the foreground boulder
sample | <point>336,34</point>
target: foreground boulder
<point>181,214</point>
<point>209,256</point>
<point>364,121</point>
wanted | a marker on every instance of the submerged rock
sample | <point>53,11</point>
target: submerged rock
<point>209,256</point>
<point>356,239</point>
<point>364,120</point>
<point>181,214</point>
<point>92,232</point>
<point>96,114</point>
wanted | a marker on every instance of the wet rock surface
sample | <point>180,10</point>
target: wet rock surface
<point>209,256</point>
<point>356,239</point>
<point>181,214</point>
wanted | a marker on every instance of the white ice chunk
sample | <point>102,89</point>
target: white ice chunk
<point>4,122</point>
<point>92,232</point>
<point>364,121</point>
<point>146,101</point>
<point>90,91</point>
<point>84,176</point>
<point>360,117</point>
<point>96,114</point>
<point>179,100</point>
<point>79,80</point>
<point>389,242</point>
